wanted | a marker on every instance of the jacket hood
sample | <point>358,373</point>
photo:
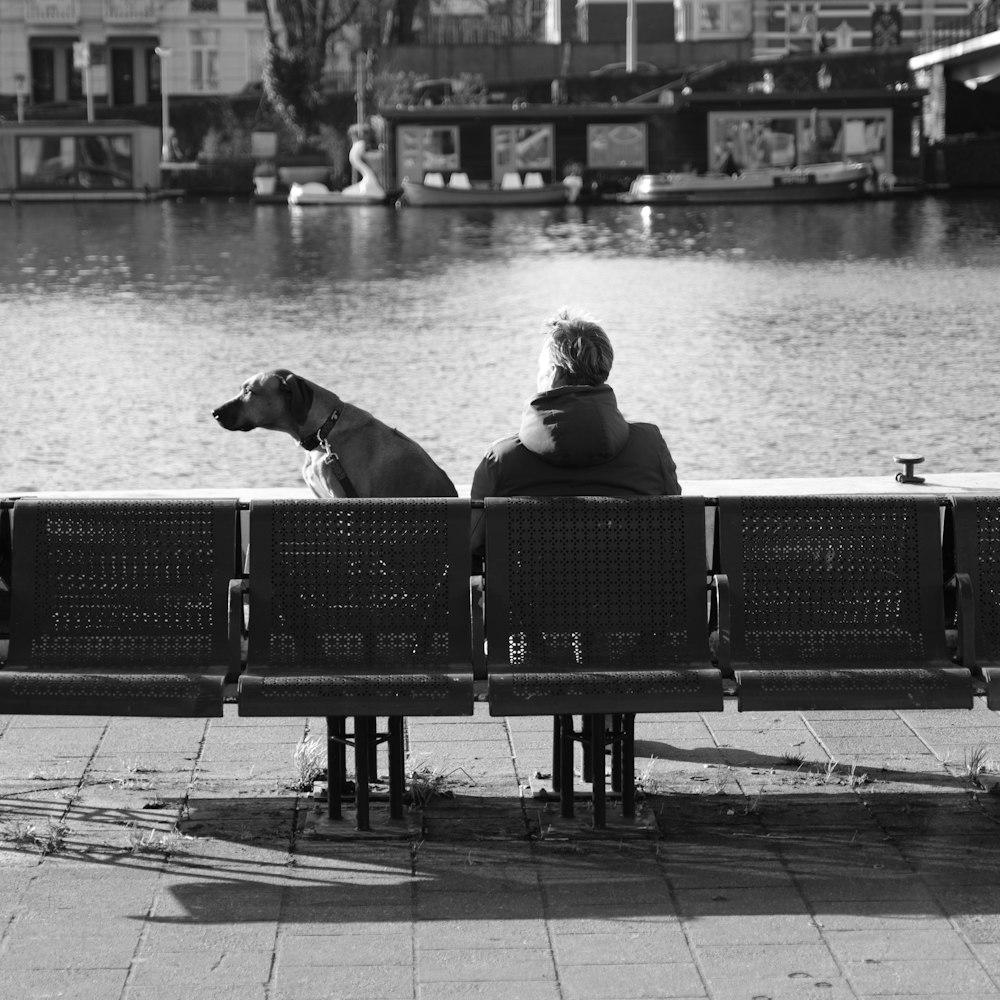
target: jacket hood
<point>574,426</point>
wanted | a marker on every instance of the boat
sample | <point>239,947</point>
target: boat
<point>315,193</point>
<point>367,191</point>
<point>427,195</point>
<point>814,182</point>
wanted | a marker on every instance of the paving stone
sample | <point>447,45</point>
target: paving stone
<point>481,934</point>
<point>648,946</point>
<point>928,943</point>
<point>799,987</point>
<point>631,982</point>
<point>526,990</point>
<point>64,983</point>
<point>791,961</point>
<point>351,949</point>
<point>762,929</point>
<point>511,965</point>
<point>917,977</point>
<point>365,982</point>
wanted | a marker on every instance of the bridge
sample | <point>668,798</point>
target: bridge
<point>963,51</point>
<point>967,48</point>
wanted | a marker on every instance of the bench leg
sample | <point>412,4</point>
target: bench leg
<point>397,776</point>
<point>556,753</point>
<point>336,764</point>
<point>566,739</point>
<point>598,742</point>
<point>363,738</point>
<point>628,766</point>
<point>373,749</point>
<point>617,763</point>
<point>586,735</point>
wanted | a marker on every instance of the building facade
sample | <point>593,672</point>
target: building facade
<point>126,50</point>
<point>129,51</point>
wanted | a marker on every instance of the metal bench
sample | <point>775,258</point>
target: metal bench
<point>973,526</point>
<point>121,607</point>
<point>359,608</point>
<point>835,602</point>
<point>596,607</point>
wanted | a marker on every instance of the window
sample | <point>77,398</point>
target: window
<point>522,149</point>
<point>700,19</point>
<point>87,162</point>
<point>205,59</point>
<point>711,17</point>
<point>616,146</point>
<point>425,150</point>
<point>789,139</point>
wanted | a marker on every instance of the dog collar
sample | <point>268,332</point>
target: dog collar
<point>312,441</point>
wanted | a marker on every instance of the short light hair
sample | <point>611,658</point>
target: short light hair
<point>579,348</point>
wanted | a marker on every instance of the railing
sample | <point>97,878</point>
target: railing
<point>981,20</point>
<point>130,11</point>
<point>51,12</point>
<point>485,29</point>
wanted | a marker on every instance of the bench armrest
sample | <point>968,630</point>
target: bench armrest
<point>237,625</point>
<point>476,592</point>
<point>966,650</point>
<point>722,614</point>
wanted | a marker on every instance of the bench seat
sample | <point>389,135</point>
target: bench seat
<point>359,608</point>
<point>121,607</point>
<point>835,603</point>
<point>597,606</point>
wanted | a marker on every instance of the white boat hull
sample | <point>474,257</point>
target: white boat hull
<point>817,182</point>
<point>425,195</point>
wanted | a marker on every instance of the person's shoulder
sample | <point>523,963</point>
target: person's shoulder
<point>502,446</point>
<point>645,429</point>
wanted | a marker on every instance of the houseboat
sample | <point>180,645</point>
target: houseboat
<point>79,161</point>
<point>522,154</point>
<point>789,121</point>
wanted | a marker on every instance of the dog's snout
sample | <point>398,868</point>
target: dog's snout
<point>225,414</point>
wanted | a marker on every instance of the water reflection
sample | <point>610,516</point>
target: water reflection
<point>766,340</point>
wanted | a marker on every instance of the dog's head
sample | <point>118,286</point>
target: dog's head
<point>275,400</point>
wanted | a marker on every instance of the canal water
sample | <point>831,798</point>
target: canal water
<point>791,340</point>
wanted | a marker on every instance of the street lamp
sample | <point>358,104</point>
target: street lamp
<point>165,147</point>
<point>19,80</point>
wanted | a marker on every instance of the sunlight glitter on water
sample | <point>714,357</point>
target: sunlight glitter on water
<point>765,340</point>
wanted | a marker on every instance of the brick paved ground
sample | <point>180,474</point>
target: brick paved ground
<point>823,856</point>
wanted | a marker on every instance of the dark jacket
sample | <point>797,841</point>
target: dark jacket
<point>574,441</point>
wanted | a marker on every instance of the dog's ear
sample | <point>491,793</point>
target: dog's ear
<point>300,396</point>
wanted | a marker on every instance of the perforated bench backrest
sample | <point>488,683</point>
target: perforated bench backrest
<point>976,535</point>
<point>359,584</point>
<point>595,582</point>
<point>122,583</point>
<point>833,580</point>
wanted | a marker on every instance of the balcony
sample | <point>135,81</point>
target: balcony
<point>130,11</point>
<point>982,19</point>
<point>51,12</point>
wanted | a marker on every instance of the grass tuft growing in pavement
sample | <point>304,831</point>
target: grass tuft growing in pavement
<point>47,839</point>
<point>309,761</point>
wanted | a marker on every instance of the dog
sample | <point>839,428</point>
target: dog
<point>349,452</point>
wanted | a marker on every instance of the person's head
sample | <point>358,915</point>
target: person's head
<point>576,352</point>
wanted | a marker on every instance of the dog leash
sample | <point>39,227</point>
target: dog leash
<point>313,441</point>
<point>333,460</point>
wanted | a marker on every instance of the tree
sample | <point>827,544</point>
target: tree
<point>299,33</point>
